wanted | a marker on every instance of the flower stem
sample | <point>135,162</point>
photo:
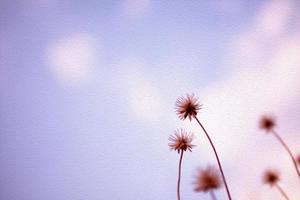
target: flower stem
<point>212,194</point>
<point>217,157</point>
<point>179,175</point>
<point>288,150</point>
<point>282,191</point>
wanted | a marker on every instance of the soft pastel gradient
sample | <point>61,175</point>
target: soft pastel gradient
<point>88,91</point>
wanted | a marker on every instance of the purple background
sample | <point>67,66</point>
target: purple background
<point>87,93</point>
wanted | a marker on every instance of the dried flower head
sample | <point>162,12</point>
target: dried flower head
<point>271,177</point>
<point>267,123</point>
<point>207,179</point>
<point>181,140</point>
<point>187,107</point>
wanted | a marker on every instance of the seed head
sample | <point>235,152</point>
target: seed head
<point>181,141</point>
<point>271,177</point>
<point>267,123</point>
<point>207,179</point>
<point>187,107</point>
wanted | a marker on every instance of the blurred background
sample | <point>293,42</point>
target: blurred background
<point>87,94</point>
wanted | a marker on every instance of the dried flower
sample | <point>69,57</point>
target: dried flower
<point>271,177</point>
<point>298,159</point>
<point>207,179</point>
<point>267,123</point>
<point>181,141</point>
<point>187,107</point>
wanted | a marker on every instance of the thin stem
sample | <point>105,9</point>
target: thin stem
<point>288,150</point>
<point>179,175</point>
<point>217,157</point>
<point>282,191</point>
<point>212,194</point>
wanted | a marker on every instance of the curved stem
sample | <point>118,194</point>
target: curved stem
<point>179,175</point>
<point>217,157</point>
<point>287,149</point>
<point>282,191</point>
<point>212,194</point>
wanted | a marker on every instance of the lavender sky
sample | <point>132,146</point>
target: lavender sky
<point>87,93</point>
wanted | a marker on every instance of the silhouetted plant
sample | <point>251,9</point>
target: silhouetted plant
<point>180,142</point>
<point>268,123</point>
<point>208,180</point>
<point>188,107</point>
<point>271,177</point>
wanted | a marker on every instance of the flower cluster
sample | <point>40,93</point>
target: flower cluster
<point>209,178</point>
